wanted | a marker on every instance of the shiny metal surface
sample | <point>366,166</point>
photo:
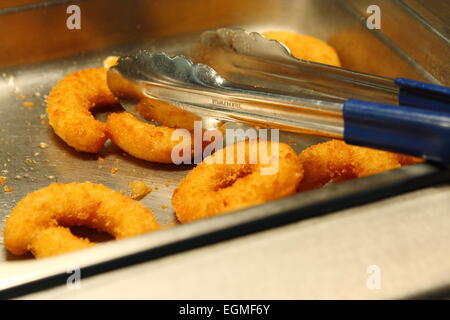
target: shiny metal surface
<point>30,67</point>
<point>196,91</point>
<point>340,22</point>
<point>258,83</point>
<point>249,60</point>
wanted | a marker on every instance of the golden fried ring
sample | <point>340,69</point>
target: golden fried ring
<point>36,223</point>
<point>69,104</point>
<point>165,114</point>
<point>142,140</point>
<point>57,240</point>
<point>337,161</point>
<point>306,47</point>
<point>214,187</point>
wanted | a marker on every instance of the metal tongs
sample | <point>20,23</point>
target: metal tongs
<point>232,75</point>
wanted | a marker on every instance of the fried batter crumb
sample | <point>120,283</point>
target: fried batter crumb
<point>114,170</point>
<point>101,160</point>
<point>8,189</point>
<point>30,161</point>
<point>28,104</point>
<point>43,145</point>
<point>164,207</point>
<point>138,189</point>
<point>3,180</point>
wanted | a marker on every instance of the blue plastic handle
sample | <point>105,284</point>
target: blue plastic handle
<point>407,130</point>
<point>423,95</point>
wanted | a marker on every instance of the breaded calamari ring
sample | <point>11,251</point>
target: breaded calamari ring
<point>69,104</point>
<point>214,187</point>
<point>72,204</point>
<point>338,161</point>
<point>142,140</point>
<point>306,47</point>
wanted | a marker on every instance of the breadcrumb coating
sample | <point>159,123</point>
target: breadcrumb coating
<point>338,161</point>
<point>69,104</point>
<point>139,189</point>
<point>73,204</point>
<point>214,187</point>
<point>141,140</point>
<point>55,241</point>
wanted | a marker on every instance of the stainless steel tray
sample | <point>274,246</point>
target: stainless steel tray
<point>37,50</point>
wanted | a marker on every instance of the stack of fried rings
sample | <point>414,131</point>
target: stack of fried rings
<point>70,101</point>
<point>68,107</point>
